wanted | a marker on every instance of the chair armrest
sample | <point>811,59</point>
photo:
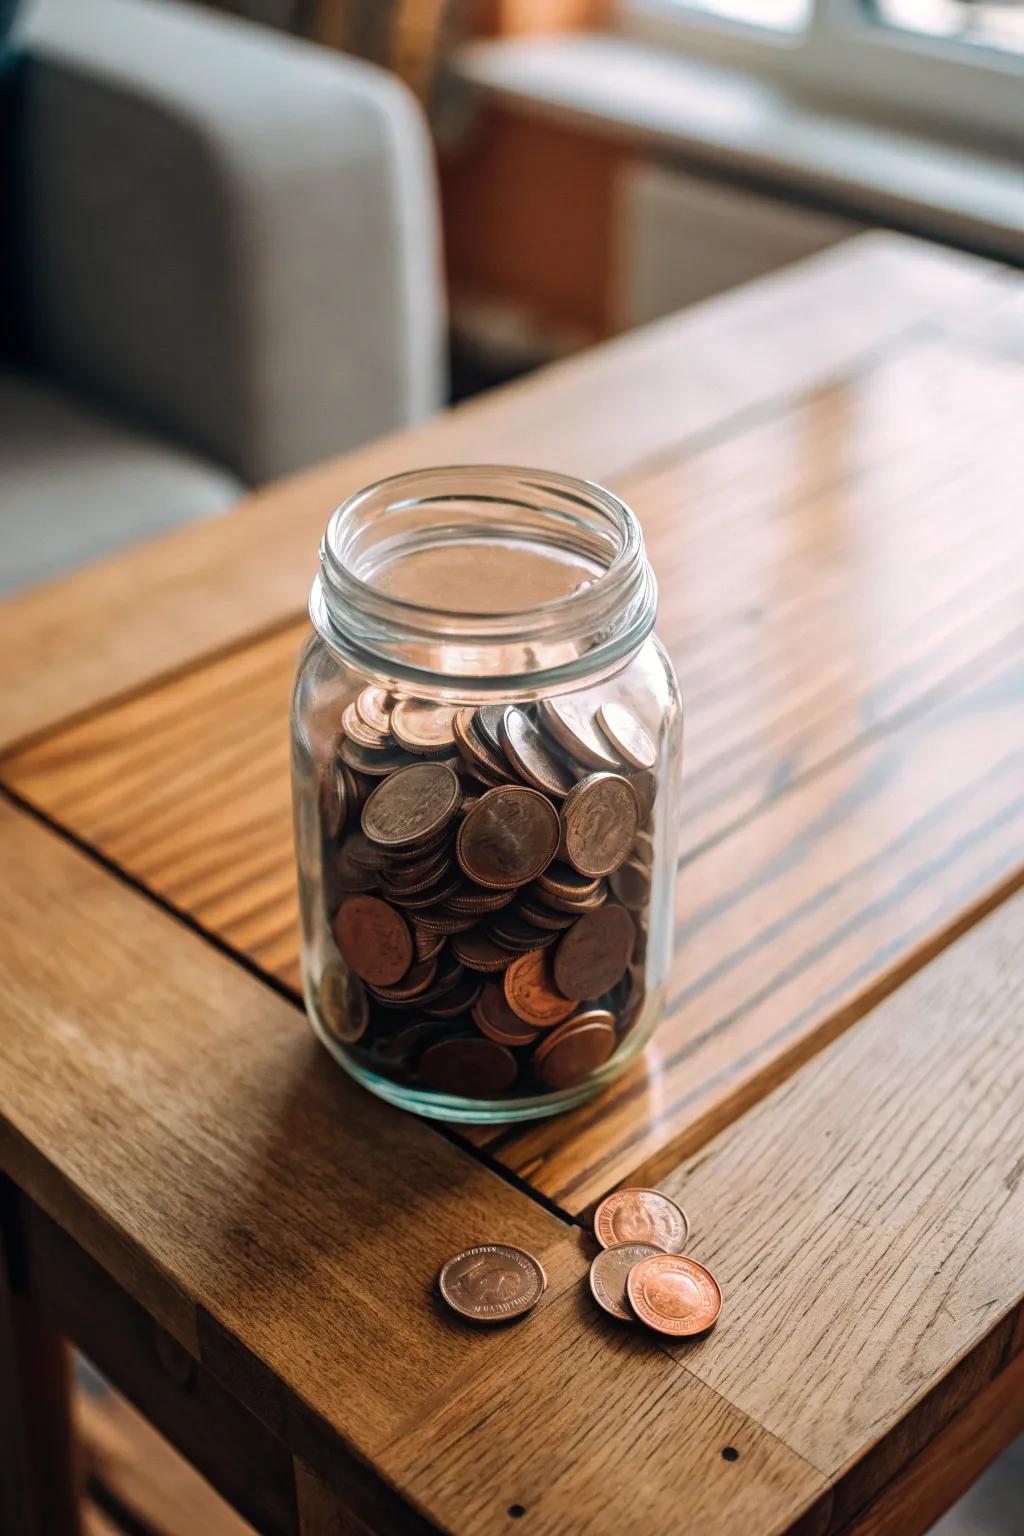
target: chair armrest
<point>230,233</point>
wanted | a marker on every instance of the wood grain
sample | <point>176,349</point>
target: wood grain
<point>866,1222</point>
<point>154,609</point>
<point>848,646</point>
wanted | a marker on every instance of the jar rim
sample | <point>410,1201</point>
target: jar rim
<point>613,613</point>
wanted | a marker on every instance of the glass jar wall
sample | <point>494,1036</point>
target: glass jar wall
<point>486,743</point>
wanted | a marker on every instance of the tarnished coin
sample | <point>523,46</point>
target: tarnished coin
<point>413,804</point>
<point>427,946</point>
<point>373,706</point>
<point>374,940</point>
<point>474,899</point>
<point>646,788</point>
<point>517,935</point>
<point>479,952</point>
<point>494,1018</point>
<point>594,952</point>
<point>492,1282</point>
<point>486,761</point>
<point>570,719</point>
<point>527,750</point>
<point>470,1067</point>
<point>562,880</point>
<point>508,838</point>
<point>375,763</point>
<point>457,999</point>
<point>572,1052</point>
<point>641,1216</point>
<point>422,726</point>
<point>543,917</point>
<point>600,818</point>
<point>674,1295</point>
<point>626,734</point>
<point>357,730</point>
<point>531,993</point>
<point>631,883</point>
<point>342,1004</point>
<point>608,1275</point>
<point>488,724</point>
<point>415,982</point>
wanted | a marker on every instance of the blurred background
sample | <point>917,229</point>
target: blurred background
<point>244,236</point>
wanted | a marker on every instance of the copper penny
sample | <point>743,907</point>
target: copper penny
<point>631,883</point>
<point>413,804</point>
<point>517,935</point>
<point>600,818</point>
<point>494,1018</point>
<point>531,993</point>
<point>473,898</point>
<point>544,917</point>
<point>646,787</point>
<point>641,1216</point>
<point>563,880</point>
<point>627,736</point>
<point>357,730</point>
<point>432,895</point>
<point>527,750</point>
<point>456,999</point>
<point>571,721</point>
<point>594,952</point>
<point>479,952</point>
<point>411,877</point>
<point>477,753</point>
<point>421,726</point>
<point>572,1052</point>
<point>375,763</point>
<point>427,946</point>
<point>468,1067</point>
<point>492,1282</point>
<point>373,706</point>
<point>509,838</point>
<point>608,1274</point>
<point>415,981</point>
<point>373,939</point>
<point>674,1295</point>
<point>342,1004</point>
<point>442,920</point>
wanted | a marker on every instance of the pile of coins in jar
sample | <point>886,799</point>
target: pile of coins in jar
<point>486,873</point>
<point>640,1274</point>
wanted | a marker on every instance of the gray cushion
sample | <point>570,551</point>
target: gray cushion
<point>75,484</point>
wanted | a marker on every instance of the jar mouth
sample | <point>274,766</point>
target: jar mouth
<point>471,574</point>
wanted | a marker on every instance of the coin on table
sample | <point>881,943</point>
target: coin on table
<point>422,726</point>
<point>571,721</point>
<point>492,1282</point>
<point>594,953</point>
<point>600,818</point>
<point>608,1274</point>
<point>470,1067</point>
<point>413,805</point>
<point>628,737</point>
<point>531,993</point>
<point>342,1004</point>
<point>674,1295</point>
<point>374,940</point>
<point>494,1018</point>
<point>509,837</point>
<point>572,1052</point>
<point>641,1216</point>
<point>374,708</point>
<point>528,751</point>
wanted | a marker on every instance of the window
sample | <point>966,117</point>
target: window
<point>999,24</point>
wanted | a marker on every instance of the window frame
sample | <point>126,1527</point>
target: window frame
<point>857,63</point>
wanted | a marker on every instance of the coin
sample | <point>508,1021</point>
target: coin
<point>456,999</point>
<point>333,800</point>
<point>492,1282</point>
<point>543,917</point>
<point>469,1067</point>
<point>571,721</point>
<point>517,935</point>
<point>376,763</point>
<point>643,1216</point>
<point>478,754</point>
<point>599,820</point>
<point>508,838</point>
<point>631,883</point>
<point>432,895</point>
<point>608,1275</point>
<point>646,787</point>
<point>674,1295</point>
<point>626,734</point>
<point>594,952</point>
<point>531,993</point>
<point>531,757</point>
<point>423,727</point>
<point>373,939</point>
<point>494,1018</point>
<point>357,730</point>
<point>479,952</point>
<point>413,804</point>
<point>563,880</point>
<point>342,1004</point>
<point>488,724</point>
<point>373,706</point>
<point>415,981</point>
<point>427,946</point>
<point>473,898</point>
<point>572,1052</point>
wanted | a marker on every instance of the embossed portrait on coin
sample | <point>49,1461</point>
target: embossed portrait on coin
<point>490,1280</point>
<point>673,1295</point>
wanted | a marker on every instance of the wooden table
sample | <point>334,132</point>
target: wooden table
<point>827,467</point>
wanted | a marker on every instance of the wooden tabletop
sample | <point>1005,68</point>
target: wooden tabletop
<point>826,465</point>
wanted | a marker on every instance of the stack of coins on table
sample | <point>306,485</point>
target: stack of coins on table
<point>487,875</point>
<point>640,1275</point>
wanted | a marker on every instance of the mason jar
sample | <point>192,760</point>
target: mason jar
<point>486,747</point>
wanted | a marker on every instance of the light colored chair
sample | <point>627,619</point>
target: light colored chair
<point>224,266</point>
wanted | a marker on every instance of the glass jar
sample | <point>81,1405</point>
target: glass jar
<point>486,744</point>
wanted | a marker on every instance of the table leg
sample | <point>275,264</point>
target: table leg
<point>39,1494</point>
